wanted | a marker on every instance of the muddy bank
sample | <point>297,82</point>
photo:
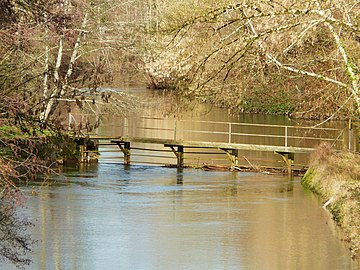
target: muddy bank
<point>335,176</point>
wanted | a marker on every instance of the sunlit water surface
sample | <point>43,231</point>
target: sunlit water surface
<point>109,216</point>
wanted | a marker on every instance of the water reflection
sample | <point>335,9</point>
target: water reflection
<point>141,217</point>
<point>180,176</point>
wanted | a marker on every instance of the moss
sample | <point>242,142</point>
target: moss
<point>9,132</point>
<point>309,181</point>
<point>308,177</point>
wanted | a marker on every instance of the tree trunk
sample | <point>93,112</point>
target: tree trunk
<point>46,69</point>
<point>60,87</point>
<point>351,73</point>
<point>50,100</point>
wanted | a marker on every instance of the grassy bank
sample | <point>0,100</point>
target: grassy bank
<point>336,178</point>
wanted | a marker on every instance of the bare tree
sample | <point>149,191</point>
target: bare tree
<point>297,45</point>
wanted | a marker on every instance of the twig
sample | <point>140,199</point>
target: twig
<point>254,167</point>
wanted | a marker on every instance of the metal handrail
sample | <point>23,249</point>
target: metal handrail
<point>232,134</point>
<point>176,129</point>
<point>242,124</point>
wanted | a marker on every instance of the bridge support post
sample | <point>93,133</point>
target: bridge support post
<point>235,161</point>
<point>233,156</point>
<point>83,153</point>
<point>127,155</point>
<point>179,153</point>
<point>126,151</point>
<point>88,149</point>
<point>288,159</point>
<point>180,156</point>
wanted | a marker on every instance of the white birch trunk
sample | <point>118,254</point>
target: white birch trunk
<point>51,99</point>
<point>46,62</point>
<point>58,60</point>
<point>46,69</point>
<point>61,90</point>
<point>74,55</point>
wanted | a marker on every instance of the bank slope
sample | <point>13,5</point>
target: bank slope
<point>335,176</point>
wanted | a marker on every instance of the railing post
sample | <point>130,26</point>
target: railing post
<point>125,127</point>
<point>350,136</point>
<point>286,136</point>
<point>70,121</point>
<point>353,138</point>
<point>127,155</point>
<point>355,131</point>
<point>175,129</point>
<point>229,132</point>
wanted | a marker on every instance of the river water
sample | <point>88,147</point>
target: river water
<point>114,216</point>
<point>111,216</point>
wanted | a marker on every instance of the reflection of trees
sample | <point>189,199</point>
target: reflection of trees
<point>15,242</point>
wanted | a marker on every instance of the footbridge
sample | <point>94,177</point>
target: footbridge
<point>184,139</point>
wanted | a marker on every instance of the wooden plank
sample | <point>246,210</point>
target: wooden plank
<point>153,156</point>
<point>203,153</point>
<point>152,150</point>
<point>125,149</point>
<point>288,159</point>
<point>106,144</point>
<point>99,137</point>
<point>127,155</point>
<point>106,151</point>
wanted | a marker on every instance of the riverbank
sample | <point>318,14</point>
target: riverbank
<point>23,156</point>
<point>335,176</point>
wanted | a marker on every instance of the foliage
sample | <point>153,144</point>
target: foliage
<point>9,132</point>
<point>52,50</point>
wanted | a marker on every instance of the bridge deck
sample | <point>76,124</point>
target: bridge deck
<point>217,145</point>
